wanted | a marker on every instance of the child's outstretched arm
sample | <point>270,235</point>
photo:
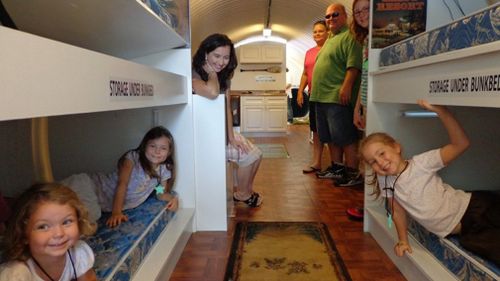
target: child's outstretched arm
<point>173,201</point>
<point>399,217</point>
<point>459,141</point>
<point>124,173</point>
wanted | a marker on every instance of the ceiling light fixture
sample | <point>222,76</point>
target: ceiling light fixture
<point>266,32</point>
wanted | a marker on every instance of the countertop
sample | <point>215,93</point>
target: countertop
<point>258,93</point>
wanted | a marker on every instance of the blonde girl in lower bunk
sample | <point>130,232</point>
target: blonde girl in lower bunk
<point>42,240</point>
<point>413,187</point>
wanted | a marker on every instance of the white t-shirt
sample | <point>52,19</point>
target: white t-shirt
<point>83,259</point>
<point>426,198</point>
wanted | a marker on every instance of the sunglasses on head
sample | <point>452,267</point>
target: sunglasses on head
<point>332,15</point>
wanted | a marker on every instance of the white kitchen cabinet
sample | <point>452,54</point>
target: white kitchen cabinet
<point>272,53</point>
<point>250,54</point>
<point>262,53</point>
<point>263,114</point>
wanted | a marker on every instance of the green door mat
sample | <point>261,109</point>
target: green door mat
<point>273,150</point>
<point>290,251</point>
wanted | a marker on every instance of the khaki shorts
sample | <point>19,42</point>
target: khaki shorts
<point>239,157</point>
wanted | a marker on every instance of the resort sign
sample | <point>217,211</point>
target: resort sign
<point>395,20</point>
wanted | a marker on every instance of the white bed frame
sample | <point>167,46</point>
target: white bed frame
<point>121,40</point>
<point>396,88</point>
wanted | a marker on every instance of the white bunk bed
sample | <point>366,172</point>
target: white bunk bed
<point>96,102</point>
<point>394,89</point>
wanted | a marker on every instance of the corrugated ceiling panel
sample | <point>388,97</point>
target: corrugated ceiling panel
<point>240,19</point>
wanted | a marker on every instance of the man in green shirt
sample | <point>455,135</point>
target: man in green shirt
<point>335,86</point>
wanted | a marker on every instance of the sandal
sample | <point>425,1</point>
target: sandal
<point>311,169</point>
<point>254,201</point>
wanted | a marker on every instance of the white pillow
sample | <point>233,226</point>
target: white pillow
<point>85,188</point>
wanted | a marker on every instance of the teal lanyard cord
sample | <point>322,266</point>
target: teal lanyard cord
<point>159,188</point>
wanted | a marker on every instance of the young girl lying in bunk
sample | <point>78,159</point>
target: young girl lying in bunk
<point>42,241</point>
<point>147,168</point>
<point>414,187</point>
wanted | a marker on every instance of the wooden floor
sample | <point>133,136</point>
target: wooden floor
<point>290,195</point>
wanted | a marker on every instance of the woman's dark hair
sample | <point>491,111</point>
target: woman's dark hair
<point>152,134</point>
<point>359,32</point>
<point>211,43</point>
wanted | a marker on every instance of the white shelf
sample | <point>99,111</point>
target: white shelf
<point>122,28</point>
<point>47,78</point>
<point>407,82</point>
<point>417,266</point>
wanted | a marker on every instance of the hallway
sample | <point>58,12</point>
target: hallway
<point>290,195</point>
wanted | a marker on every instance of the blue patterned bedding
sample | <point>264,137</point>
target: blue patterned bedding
<point>447,251</point>
<point>480,28</point>
<point>119,251</point>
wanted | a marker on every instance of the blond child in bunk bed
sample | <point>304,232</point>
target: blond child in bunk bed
<point>141,171</point>
<point>413,187</point>
<point>42,240</point>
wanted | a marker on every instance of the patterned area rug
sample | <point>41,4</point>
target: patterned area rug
<point>273,150</point>
<point>291,251</point>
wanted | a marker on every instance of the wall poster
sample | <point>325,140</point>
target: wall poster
<point>395,20</point>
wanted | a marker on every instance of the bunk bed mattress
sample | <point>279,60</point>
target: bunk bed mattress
<point>462,263</point>
<point>119,251</point>
<point>480,28</point>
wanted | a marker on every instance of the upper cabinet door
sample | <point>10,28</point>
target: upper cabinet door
<point>272,53</point>
<point>250,54</point>
<point>258,53</point>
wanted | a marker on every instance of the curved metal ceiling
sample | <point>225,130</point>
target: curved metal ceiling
<point>290,19</point>
<point>240,19</point>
